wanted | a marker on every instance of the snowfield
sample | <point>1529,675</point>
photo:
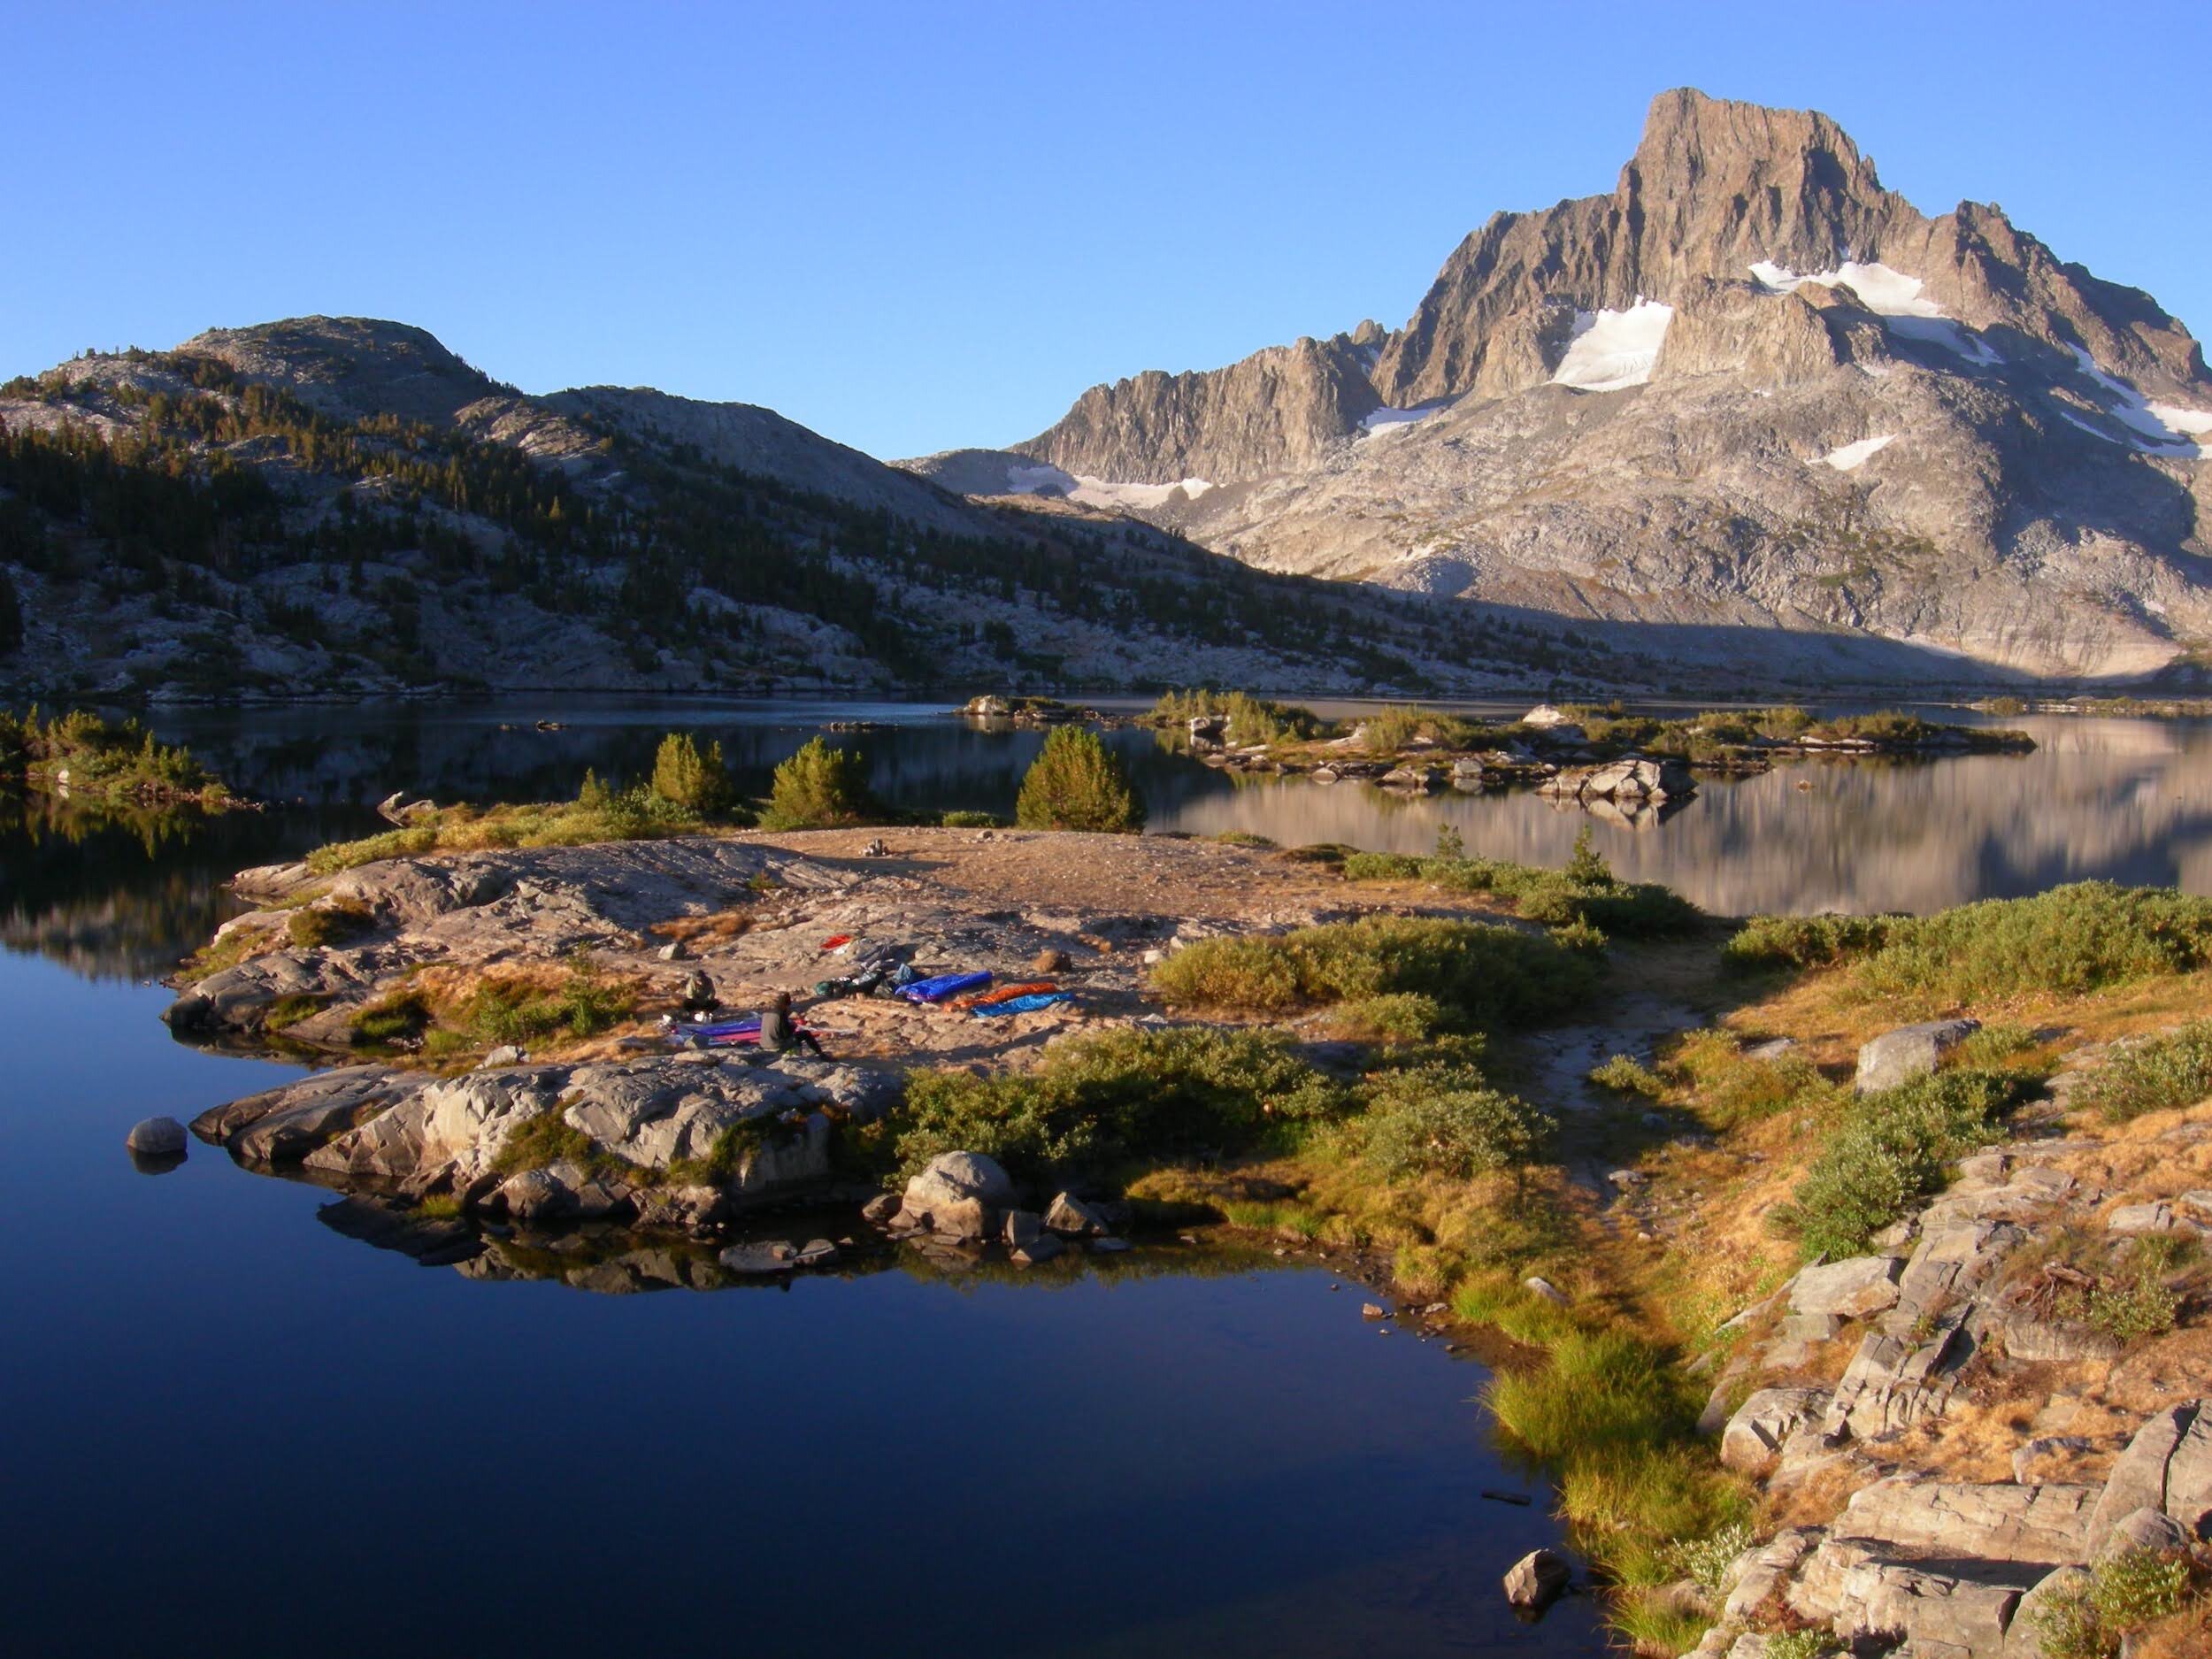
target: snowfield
<point>1884,292</point>
<point>1850,457</point>
<point>1612,350</point>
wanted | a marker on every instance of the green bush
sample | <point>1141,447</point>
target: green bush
<point>390,1019</point>
<point>1705,1560</point>
<point>512,1011</point>
<point>1888,1152</point>
<point>690,777</point>
<point>1099,1100</point>
<point>1077,783</point>
<point>970,820</point>
<point>1440,1118</point>
<point>819,788</point>
<point>1481,975</point>
<point>2157,1075</point>
<point>1383,867</point>
<point>1623,1075</point>
<point>311,925</point>
<point>2070,941</point>
<point>1585,891</point>
<point>1250,719</point>
<point>2125,1595</point>
<point>1804,941</point>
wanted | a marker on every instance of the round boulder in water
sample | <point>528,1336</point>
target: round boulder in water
<point>156,1137</point>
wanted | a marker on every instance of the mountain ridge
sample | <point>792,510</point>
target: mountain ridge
<point>1825,411</point>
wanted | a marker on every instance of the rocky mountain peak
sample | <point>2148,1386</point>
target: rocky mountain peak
<point>350,366</point>
<point>1716,186</point>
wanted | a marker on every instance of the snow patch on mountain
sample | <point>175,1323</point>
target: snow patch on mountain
<point>1098,491</point>
<point>1611,351</point>
<point>2170,430</point>
<point>1850,457</point>
<point>1884,292</point>
<point>1387,419</point>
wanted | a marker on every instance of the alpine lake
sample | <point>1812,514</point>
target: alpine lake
<point>236,1431</point>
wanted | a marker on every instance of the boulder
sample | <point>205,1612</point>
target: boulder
<point>1633,780</point>
<point>538,1195</point>
<point>1543,718</point>
<point>1023,1227</point>
<point>1070,1217</point>
<point>965,1219</point>
<point>759,1261</point>
<point>2156,1217</point>
<point>951,1177</point>
<point>1544,1288</point>
<point>2046,1525</point>
<point>881,1210</point>
<point>2024,1635</point>
<point>1421,779</point>
<point>1535,1581</point>
<point>1760,1425</point>
<point>1910,1051</point>
<point>1043,1247</point>
<point>2144,1529</point>
<point>2142,1476</point>
<point>1853,1290</point>
<point>156,1137</point>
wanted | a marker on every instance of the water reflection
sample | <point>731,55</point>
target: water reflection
<point>126,894</point>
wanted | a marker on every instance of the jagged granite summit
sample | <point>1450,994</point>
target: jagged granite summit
<point>1749,389</point>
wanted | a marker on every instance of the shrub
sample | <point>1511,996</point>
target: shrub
<point>2157,1075</point>
<point>1077,783</point>
<point>1804,941</point>
<point>1585,891</point>
<point>1623,1075</point>
<point>819,788</point>
<point>1706,1561</point>
<point>1482,976</point>
<point>2126,1311</point>
<point>1889,1151</point>
<point>970,820</point>
<point>1383,867</point>
<point>2071,940</point>
<point>324,924</point>
<point>2125,1595</point>
<point>1101,1099</point>
<point>1733,1088</point>
<point>1802,1644</point>
<point>1444,1119</point>
<point>683,773</point>
<point>391,1019</point>
<point>1250,719</point>
<point>517,1011</point>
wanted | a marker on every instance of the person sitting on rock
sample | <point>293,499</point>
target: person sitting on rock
<point>699,993</point>
<point>779,1033</point>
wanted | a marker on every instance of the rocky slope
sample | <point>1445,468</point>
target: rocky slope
<point>1748,401</point>
<point>340,507</point>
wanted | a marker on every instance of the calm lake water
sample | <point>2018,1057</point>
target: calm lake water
<point>234,1431</point>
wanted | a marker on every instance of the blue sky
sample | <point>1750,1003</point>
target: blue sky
<point>912,227</point>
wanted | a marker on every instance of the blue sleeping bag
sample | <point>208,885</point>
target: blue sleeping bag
<point>943,986</point>
<point>1022,1004</point>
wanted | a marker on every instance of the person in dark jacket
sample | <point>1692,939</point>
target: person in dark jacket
<point>779,1033</point>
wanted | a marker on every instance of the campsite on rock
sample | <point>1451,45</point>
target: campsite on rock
<point>1530,981</point>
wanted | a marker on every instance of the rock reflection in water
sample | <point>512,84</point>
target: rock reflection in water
<point>619,1261</point>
